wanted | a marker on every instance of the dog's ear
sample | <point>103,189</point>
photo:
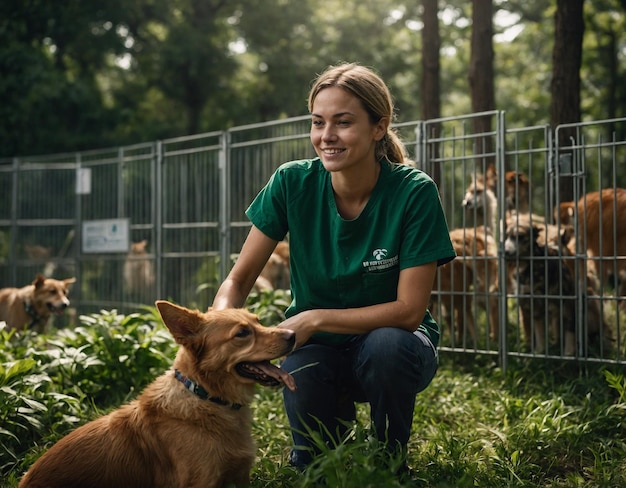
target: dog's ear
<point>69,281</point>
<point>181,321</point>
<point>39,279</point>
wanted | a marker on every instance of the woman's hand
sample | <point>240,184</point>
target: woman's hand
<point>302,324</point>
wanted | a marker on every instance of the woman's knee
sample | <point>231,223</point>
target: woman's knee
<point>387,343</point>
<point>392,355</point>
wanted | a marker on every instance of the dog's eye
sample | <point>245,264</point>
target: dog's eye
<point>243,333</point>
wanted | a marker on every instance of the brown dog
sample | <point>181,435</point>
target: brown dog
<point>601,217</point>
<point>517,192</point>
<point>471,278</point>
<point>192,426</point>
<point>32,305</point>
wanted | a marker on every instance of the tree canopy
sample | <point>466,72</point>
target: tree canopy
<point>78,75</point>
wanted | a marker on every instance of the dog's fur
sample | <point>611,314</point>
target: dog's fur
<point>169,436</point>
<point>544,284</point>
<point>603,237</point>
<point>517,192</point>
<point>276,272</point>
<point>480,201</point>
<point>517,196</point>
<point>584,270</point>
<point>474,270</point>
<point>32,305</point>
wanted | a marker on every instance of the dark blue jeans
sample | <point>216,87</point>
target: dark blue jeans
<point>386,368</point>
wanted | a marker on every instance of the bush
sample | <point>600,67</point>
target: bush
<point>52,383</point>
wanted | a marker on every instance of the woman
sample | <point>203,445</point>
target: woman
<point>366,232</point>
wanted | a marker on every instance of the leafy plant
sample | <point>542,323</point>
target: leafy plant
<point>52,383</point>
<point>109,357</point>
<point>269,305</point>
<point>540,424</point>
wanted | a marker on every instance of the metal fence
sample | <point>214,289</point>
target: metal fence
<point>76,214</point>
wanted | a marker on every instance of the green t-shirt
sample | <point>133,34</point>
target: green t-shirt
<point>338,263</point>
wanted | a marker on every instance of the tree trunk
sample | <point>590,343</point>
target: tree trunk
<point>430,93</point>
<point>569,27</point>
<point>481,75</point>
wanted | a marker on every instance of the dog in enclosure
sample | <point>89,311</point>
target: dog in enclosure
<point>584,271</point>
<point>544,284</point>
<point>276,272</point>
<point>139,276</point>
<point>32,305</point>
<point>469,279</point>
<point>602,233</point>
<point>192,426</point>
<point>480,201</point>
<point>517,192</point>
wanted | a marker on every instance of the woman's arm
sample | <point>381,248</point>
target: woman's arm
<point>406,312</point>
<point>255,252</point>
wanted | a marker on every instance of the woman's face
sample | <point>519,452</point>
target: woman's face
<point>341,131</point>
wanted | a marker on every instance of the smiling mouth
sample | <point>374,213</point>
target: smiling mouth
<point>57,310</point>
<point>257,372</point>
<point>266,374</point>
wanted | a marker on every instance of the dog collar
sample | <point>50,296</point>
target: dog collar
<point>30,310</point>
<point>197,390</point>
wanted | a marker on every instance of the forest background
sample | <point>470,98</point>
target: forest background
<point>82,75</point>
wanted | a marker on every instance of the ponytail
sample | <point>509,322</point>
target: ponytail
<point>392,148</point>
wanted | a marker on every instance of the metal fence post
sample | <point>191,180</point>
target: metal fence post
<point>13,236</point>
<point>157,204</point>
<point>498,234</point>
<point>224,212</point>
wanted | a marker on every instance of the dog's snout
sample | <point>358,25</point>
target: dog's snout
<point>509,248</point>
<point>513,245</point>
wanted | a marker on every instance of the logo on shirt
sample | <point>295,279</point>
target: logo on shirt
<point>379,254</point>
<point>380,261</point>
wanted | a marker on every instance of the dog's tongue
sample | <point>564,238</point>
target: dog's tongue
<point>278,374</point>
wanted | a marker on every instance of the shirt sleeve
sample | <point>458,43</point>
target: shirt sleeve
<point>426,233</point>
<point>268,210</point>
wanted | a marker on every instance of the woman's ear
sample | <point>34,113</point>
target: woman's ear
<point>380,128</point>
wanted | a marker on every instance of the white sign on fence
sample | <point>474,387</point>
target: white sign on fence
<point>106,236</point>
<point>83,181</point>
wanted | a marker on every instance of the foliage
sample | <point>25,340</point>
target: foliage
<point>269,305</point>
<point>52,383</point>
<point>117,73</point>
<point>538,424</point>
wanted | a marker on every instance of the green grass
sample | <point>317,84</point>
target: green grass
<point>539,424</point>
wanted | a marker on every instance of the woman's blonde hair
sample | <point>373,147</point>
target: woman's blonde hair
<point>375,97</point>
